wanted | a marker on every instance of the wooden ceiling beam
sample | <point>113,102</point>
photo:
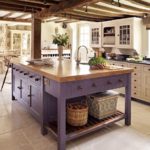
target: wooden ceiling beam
<point>15,20</point>
<point>9,7</point>
<point>64,6</point>
<point>24,3</point>
<point>77,17</point>
<point>47,2</point>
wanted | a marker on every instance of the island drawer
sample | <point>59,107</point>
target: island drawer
<point>146,69</point>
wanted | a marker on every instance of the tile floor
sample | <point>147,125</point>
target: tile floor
<point>19,131</point>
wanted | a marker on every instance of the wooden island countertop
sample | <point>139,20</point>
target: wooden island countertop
<point>67,70</point>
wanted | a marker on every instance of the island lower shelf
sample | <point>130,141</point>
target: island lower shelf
<point>92,125</point>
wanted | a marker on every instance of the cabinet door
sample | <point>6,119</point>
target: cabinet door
<point>25,93</point>
<point>35,102</point>
<point>17,87</point>
<point>96,35</point>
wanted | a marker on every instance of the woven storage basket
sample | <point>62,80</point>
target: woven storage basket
<point>102,105</point>
<point>77,114</point>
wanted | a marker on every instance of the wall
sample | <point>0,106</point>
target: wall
<point>48,29</point>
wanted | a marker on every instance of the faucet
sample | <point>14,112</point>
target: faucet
<point>78,59</point>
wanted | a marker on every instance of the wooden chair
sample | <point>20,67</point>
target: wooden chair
<point>8,65</point>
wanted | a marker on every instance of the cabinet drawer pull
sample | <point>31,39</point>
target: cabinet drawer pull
<point>135,74</point>
<point>122,65</point>
<point>26,74</point>
<point>31,76</point>
<point>135,67</point>
<point>17,69</point>
<point>134,80</point>
<point>79,87</point>
<point>135,87</point>
<point>109,83</point>
<point>29,95</point>
<point>148,69</point>
<point>93,85</point>
<point>21,71</point>
<point>19,87</point>
<point>37,79</point>
<point>120,81</point>
<point>135,93</point>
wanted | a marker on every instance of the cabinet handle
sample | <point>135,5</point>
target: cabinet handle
<point>17,69</point>
<point>135,93</point>
<point>122,65</point>
<point>29,95</point>
<point>31,76</point>
<point>134,80</point>
<point>135,74</point>
<point>120,81</point>
<point>135,67</point>
<point>148,69</point>
<point>37,79</point>
<point>109,83</point>
<point>19,87</point>
<point>79,87</point>
<point>26,74</point>
<point>93,85</point>
<point>135,87</point>
<point>21,71</point>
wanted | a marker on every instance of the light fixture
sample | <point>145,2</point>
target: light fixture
<point>118,3</point>
<point>145,15</point>
<point>86,8</point>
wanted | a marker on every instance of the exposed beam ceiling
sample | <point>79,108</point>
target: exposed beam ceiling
<point>15,20</point>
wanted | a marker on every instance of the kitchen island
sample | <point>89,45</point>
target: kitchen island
<point>45,91</point>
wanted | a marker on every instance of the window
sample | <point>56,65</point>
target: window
<point>84,35</point>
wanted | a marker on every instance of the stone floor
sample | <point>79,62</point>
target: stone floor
<point>19,131</point>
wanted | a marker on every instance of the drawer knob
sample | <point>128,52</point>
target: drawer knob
<point>134,80</point>
<point>148,69</point>
<point>79,87</point>
<point>109,83</point>
<point>17,69</point>
<point>31,76</point>
<point>135,87</point>
<point>135,74</point>
<point>26,74</point>
<point>29,95</point>
<point>135,93</point>
<point>93,85</point>
<point>120,81</point>
<point>37,79</point>
<point>19,87</point>
<point>135,67</point>
<point>21,71</point>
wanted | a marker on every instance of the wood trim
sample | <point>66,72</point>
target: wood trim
<point>15,20</point>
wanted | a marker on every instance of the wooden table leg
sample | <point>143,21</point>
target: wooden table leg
<point>61,118</point>
<point>128,101</point>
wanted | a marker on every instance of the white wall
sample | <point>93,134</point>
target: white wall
<point>48,29</point>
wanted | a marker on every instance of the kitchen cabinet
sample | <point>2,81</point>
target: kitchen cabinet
<point>27,90</point>
<point>95,35</point>
<point>146,83</point>
<point>140,83</point>
<point>109,34</point>
<point>123,33</point>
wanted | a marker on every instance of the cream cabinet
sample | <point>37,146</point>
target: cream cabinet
<point>122,33</point>
<point>140,80</point>
<point>95,35</point>
<point>146,83</point>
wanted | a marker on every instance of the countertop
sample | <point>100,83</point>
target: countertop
<point>145,62</point>
<point>67,70</point>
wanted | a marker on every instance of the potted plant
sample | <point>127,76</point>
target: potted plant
<point>61,40</point>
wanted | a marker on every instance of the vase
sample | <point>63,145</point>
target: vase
<point>60,52</point>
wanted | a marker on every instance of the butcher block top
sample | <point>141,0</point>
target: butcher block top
<point>67,70</point>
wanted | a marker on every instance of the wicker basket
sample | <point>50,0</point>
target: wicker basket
<point>77,114</point>
<point>102,105</point>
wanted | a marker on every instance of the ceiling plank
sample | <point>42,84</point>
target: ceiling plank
<point>89,14</point>
<point>15,20</point>
<point>100,12</point>
<point>114,10</point>
<point>131,8</point>
<point>21,16</point>
<point>7,15</point>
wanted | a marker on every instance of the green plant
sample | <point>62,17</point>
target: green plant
<point>97,60</point>
<point>61,39</point>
